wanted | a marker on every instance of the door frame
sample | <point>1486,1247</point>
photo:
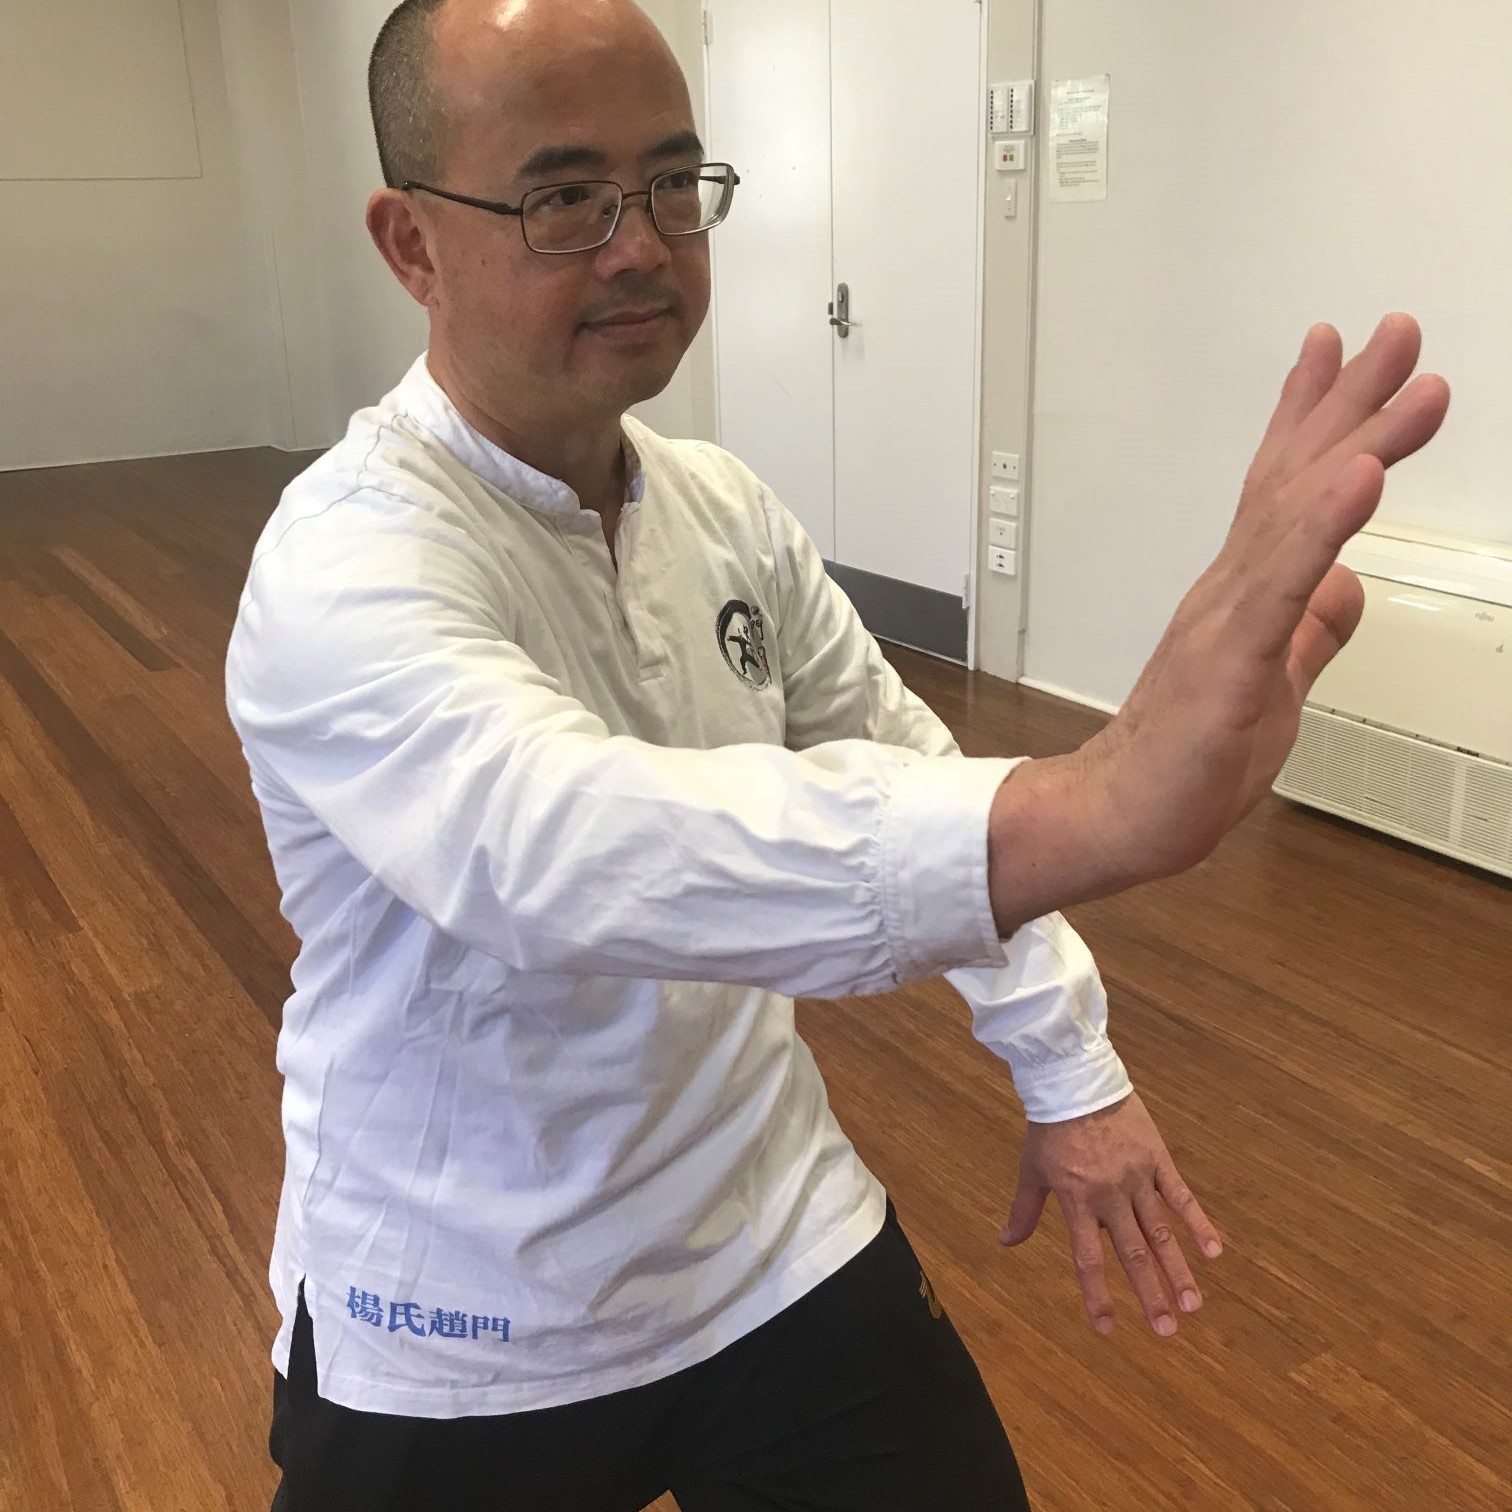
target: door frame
<point>978,357</point>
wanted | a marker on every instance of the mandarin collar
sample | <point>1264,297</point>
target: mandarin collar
<point>426,403</point>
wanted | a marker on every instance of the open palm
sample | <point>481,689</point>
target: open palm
<point>1216,712</point>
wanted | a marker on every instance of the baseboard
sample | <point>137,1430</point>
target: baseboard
<point>154,456</point>
<point>1086,700</point>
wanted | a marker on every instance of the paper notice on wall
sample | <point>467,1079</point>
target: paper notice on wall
<point>1079,139</point>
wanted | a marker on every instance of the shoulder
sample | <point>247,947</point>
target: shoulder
<point>385,490</point>
<point>368,545</point>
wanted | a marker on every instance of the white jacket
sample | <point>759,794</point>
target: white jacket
<point>560,844</point>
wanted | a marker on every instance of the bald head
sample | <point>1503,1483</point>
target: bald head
<point>437,61</point>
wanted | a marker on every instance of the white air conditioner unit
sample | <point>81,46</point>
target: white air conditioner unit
<point>1410,730</point>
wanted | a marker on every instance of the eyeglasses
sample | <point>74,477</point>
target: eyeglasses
<point>564,218</point>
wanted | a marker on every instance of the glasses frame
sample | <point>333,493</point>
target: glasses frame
<point>499,207</point>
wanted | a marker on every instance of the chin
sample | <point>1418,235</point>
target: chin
<point>643,380</point>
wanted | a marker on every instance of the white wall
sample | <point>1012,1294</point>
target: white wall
<point>245,306</point>
<point>296,350</point>
<point>1271,166</point>
<point>96,92</point>
<point>687,407</point>
<point>375,329</point>
<point>128,306</point>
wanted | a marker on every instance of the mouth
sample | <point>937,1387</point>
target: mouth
<point>631,322</point>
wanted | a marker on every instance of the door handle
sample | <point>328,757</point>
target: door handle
<point>839,312</point>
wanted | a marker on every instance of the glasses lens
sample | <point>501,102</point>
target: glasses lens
<point>692,199</point>
<point>571,217</point>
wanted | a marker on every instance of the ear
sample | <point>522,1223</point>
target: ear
<point>402,238</point>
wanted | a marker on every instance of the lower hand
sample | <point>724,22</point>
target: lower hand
<point>1112,1171</point>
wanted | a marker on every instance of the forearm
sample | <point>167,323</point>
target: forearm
<point>1050,842</point>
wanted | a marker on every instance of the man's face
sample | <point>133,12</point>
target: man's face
<point>588,334</point>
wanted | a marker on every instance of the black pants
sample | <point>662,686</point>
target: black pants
<point>860,1397</point>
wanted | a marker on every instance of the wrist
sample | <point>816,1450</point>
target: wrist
<point>1053,841</point>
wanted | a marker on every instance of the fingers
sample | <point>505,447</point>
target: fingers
<point>1155,1223</point>
<point>1137,1255</point>
<point>1394,433</point>
<point>1277,597</point>
<point>1178,1197</point>
<point>1315,373</point>
<point>1091,1269</point>
<point>1028,1205</point>
<point>1307,547</point>
<point>1366,410</point>
<point>1365,385</point>
<point>1145,1239</point>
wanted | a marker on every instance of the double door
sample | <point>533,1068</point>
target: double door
<point>847,286</point>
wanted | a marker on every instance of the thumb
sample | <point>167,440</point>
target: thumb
<point>1331,620</point>
<point>1028,1205</point>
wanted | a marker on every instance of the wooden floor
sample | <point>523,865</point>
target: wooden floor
<point>1321,1021</point>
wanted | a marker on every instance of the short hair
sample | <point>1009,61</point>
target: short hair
<point>409,119</point>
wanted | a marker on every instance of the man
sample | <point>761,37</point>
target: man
<point>576,768</point>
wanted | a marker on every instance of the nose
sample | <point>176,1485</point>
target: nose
<point>636,243</point>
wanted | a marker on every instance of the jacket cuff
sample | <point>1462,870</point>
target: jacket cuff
<point>1074,1087</point>
<point>936,904</point>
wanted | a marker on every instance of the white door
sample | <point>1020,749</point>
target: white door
<point>908,132</point>
<point>769,114</point>
<point>857,128</point>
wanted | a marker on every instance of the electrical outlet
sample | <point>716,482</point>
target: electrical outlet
<point>1011,156</point>
<point>1005,501</point>
<point>1003,561</point>
<point>1005,533</point>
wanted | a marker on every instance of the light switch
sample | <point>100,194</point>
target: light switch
<point>1005,501</point>
<point>1010,202</point>
<point>1005,533</point>
<point>1006,466</point>
<point>1004,562</point>
<point>1010,108</point>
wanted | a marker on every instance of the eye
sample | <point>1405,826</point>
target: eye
<point>683,179</point>
<point>568,197</point>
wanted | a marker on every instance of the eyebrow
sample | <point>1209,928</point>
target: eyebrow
<point>683,144</point>
<point>564,159</point>
<point>561,159</point>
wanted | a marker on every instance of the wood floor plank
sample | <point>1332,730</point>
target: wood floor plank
<point>81,590</point>
<point>66,1243</point>
<point>31,906</point>
<point>1317,1016</point>
<point>119,806</point>
<point>108,588</point>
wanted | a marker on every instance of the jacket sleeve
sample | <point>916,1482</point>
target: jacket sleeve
<point>372,678</point>
<point>1045,1011</point>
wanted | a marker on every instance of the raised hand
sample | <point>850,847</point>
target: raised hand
<point>1216,712</point>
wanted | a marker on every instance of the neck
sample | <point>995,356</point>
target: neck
<point>588,456</point>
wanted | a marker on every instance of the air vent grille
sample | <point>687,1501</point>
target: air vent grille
<point>1446,800</point>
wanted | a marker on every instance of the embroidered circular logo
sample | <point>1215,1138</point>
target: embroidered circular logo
<point>742,643</point>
